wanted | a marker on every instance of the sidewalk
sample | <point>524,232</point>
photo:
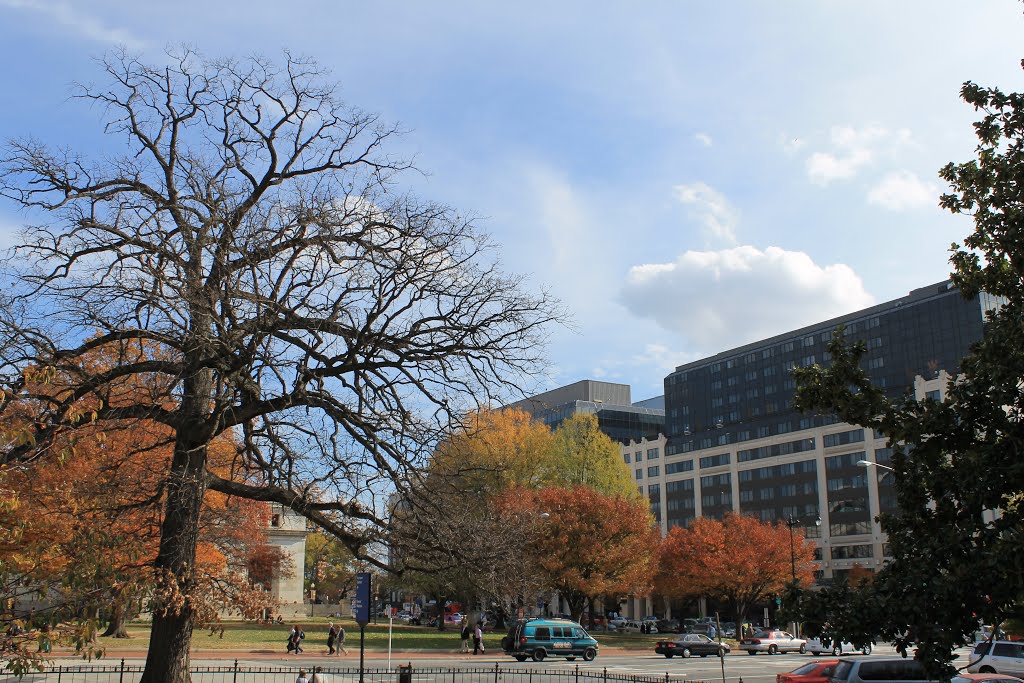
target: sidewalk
<point>320,655</point>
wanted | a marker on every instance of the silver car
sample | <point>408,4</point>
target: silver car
<point>773,642</point>
<point>816,647</point>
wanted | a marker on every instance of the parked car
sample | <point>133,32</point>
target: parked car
<point>638,627</point>
<point>773,642</point>
<point>815,672</point>
<point>985,678</point>
<point>815,646</point>
<point>729,629</point>
<point>540,638</point>
<point>879,670</point>
<point>669,626</point>
<point>997,657</point>
<point>708,630</point>
<point>690,644</point>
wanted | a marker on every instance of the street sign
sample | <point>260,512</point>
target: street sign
<point>361,604</point>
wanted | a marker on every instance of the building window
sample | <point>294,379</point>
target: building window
<point>653,471</point>
<point>851,552</point>
<point>714,460</point>
<point>653,454</point>
<point>626,458</point>
<point>639,473</point>
<point>639,456</point>
<point>674,467</point>
<point>843,438</point>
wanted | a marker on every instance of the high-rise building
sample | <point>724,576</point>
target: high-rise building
<point>617,416</point>
<point>735,443</point>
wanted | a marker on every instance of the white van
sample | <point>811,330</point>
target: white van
<point>997,657</point>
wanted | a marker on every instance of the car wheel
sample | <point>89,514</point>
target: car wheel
<point>721,652</point>
<point>520,658</point>
<point>803,649</point>
<point>866,650</point>
<point>685,652</point>
<point>836,650</point>
<point>987,670</point>
<point>589,654</point>
<point>773,649</point>
<point>539,654</point>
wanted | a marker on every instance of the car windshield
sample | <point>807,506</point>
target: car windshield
<point>805,669</point>
<point>842,671</point>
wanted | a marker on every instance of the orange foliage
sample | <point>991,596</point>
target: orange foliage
<point>739,559</point>
<point>88,522</point>
<point>587,543</point>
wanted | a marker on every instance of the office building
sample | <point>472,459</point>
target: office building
<point>733,442</point>
<point>619,418</point>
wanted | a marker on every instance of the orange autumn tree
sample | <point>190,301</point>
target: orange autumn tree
<point>587,544</point>
<point>739,559</point>
<point>89,521</point>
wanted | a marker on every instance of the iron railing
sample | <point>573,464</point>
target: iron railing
<point>131,673</point>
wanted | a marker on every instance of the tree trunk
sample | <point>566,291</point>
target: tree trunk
<point>171,634</point>
<point>118,620</point>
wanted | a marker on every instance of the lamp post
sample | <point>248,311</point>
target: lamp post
<point>792,523</point>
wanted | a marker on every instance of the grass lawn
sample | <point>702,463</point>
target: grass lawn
<point>272,638</point>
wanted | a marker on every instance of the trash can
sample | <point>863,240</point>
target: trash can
<point>405,673</point>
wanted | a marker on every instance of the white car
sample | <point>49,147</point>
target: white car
<point>773,642</point>
<point>635,627</point>
<point>816,647</point>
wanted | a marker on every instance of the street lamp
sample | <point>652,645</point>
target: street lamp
<point>868,463</point>
<point>792,523</point>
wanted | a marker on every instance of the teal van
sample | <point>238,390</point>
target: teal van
<point>540,638</point>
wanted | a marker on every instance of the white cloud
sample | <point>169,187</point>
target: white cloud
<point>711,208</point>
<point>903,190</point>
<point>722,299</point>
<point>703,138</point>
<point>83,23</point>
<point>852,149</point>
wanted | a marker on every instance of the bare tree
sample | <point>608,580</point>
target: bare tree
<point>252,236</point>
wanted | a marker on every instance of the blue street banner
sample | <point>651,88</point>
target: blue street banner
<point>361,604</point>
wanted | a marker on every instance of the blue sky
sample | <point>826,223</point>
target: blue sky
<point>685,176</point>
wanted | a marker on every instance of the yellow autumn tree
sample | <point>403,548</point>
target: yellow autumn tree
<point>586,456</point>
<point>495,450</point>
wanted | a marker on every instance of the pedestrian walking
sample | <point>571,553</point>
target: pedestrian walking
<point>478,638</point>
<point>465,636</point>
<point>332,635</point>
<point>340,641</point>
<point>295,639</point>
<point>302,677</point>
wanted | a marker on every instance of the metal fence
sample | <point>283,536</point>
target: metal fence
<point>131,673</point>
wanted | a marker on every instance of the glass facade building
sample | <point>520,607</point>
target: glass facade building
<point>733,441</point>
